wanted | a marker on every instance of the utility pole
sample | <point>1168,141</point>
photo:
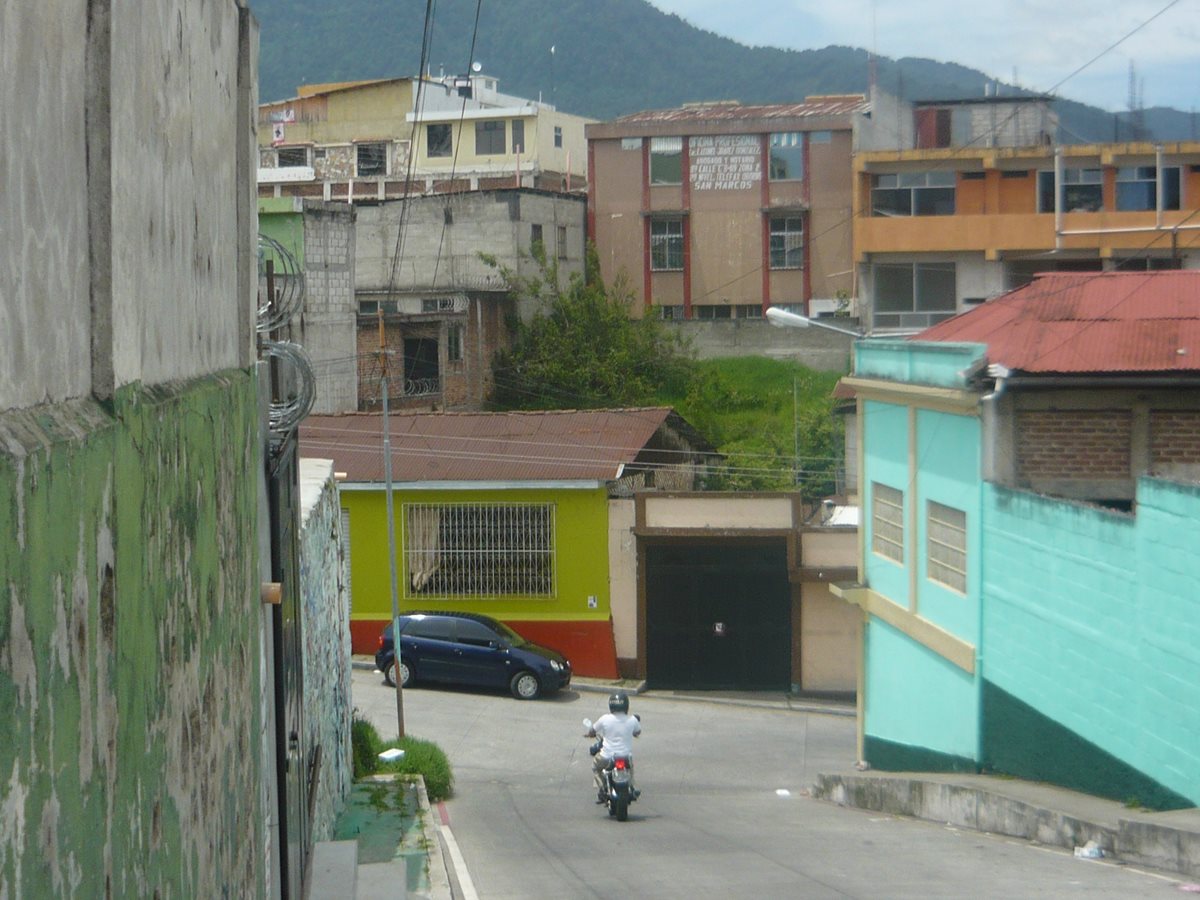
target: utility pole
<point>391,523</point>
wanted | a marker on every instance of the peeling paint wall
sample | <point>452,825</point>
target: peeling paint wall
<point>325,600</point>
<point>129,645</point>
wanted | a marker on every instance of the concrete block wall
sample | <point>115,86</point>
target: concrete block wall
<point>1092,638</point>
<point>329,322</point>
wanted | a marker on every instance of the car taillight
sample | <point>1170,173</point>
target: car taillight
<point>381,642</point>
<point>619,763</point>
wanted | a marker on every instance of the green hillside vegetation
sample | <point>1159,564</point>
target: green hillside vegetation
<point>772,420</point>
<point>611,58</point>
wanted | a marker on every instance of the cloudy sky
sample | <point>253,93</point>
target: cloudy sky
<point>1041,41</point>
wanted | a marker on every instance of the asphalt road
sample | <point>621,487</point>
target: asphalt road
<point>724,810</point>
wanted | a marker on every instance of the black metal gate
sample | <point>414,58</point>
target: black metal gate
<point>718,615</point>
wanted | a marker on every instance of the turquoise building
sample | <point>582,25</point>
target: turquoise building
<point>1029,574</point>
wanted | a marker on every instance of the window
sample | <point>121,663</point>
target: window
<point>914,295</point>
<point>666,245</point>
<point>947,538</point>
<point>712,311</point>
<point>489,138</point>
<point>372,307</point>
<point>536,246</point>
<point>887,522</point>
<point>787,156</point>
<point>631,143</point>
<point>437,304</point>
<point>291,156</point>
<point>787,242</point>
<point>560,241</point>
<point>1137,188</point>
<point>557,135</point>
<point>438,141</point>
<point>1082,190</point>
<point>479,549</point>
<point>454,343</point>
<point>670,313</point>
<point>913,194</point>
<point>973,176</point>
<point>666,160</point>
<point>518,135</point>
<point>371,160</point>
<point>748,311</point>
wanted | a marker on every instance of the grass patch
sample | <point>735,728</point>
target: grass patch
<point>421,757</point>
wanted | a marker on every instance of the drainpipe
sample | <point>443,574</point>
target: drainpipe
<point>1158,185</point>
<point>990,402</point>
<point>1058,210</point>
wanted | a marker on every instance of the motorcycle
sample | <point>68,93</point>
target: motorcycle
<point>618,778</point>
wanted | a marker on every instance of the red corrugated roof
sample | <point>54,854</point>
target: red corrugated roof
<point>584,445</point>
<point>1088,323</point>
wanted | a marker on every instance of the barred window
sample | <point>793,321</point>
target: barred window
<point>787,242</point>
<point>887,521</point>
<point>947,535</point>
<point>479,549</point>
<point>666,245</point>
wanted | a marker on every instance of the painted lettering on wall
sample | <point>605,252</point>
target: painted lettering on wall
<point>725,162</point>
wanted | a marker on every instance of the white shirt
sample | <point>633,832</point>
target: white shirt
<point>617,731</point>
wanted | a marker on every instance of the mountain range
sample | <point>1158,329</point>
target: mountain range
<point>606,58</point>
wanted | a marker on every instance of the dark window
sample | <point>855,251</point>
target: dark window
<point>371,159</point>
<point>536,245</point>
<point>712,312</point>
<point>914,295</point>
<point>292,156</point>
<point>1082,190</point>
<point>787,242</point>
<point>666,160</point>
<point>476,633</point>
<point>972,176</point>
<point>454,343</point>
<point>1137,188</point>
<point>666,245</point>
<point>787,156</point>
<point>489,138</point>
<point>518,135</point>
<point>434,628</point>
<point>913,194</point>
<point>438,142</point>
<point>557,136</point>
<point>1015,173</point>
<point>670,312</point>
<point>561,241</point>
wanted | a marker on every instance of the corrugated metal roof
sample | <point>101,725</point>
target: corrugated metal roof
<point>841,104</point>
<point>583,445</point>
<point>1088,323</point>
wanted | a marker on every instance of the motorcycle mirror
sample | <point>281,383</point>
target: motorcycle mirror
<point>587,723</point>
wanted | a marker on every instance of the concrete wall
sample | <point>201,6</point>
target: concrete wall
<point>623,582</point>
<point>1091,642</point>
<point>816,347</point>
<point>325,599</point>
<point>130,618</point>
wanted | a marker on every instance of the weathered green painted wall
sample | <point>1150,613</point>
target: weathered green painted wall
<point>129,646</point>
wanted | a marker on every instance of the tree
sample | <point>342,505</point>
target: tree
<point>582,349</point>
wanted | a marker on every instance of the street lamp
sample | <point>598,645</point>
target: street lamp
<point>784,319</point>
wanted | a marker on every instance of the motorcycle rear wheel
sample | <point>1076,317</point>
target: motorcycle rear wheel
<point>621,802</point>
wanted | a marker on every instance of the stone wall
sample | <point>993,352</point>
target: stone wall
<point>325,604</point>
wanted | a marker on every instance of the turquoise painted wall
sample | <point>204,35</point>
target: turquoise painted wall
<point>129,646</point>
<point>885,460</point>
<point>916,699</point>
<point>934,364</point>
<point>581,544</point>
<point>1092,620</point>
<point>948,473</point>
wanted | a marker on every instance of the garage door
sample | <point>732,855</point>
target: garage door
<point>718,616</point>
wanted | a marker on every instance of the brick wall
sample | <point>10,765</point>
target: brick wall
<point>1174,437</point>
<point>1058,444</point>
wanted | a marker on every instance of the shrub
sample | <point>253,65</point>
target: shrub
<point>421,757</point>
<point>365,745</point>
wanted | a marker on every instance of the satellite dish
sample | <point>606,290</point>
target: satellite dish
<point>477,67</point>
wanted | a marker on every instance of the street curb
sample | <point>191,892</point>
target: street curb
<point>1140,840</point>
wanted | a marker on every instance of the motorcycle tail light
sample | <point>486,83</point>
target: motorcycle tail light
<point>619,763</point>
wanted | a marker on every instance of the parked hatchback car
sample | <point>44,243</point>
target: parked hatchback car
<point>470,649</point>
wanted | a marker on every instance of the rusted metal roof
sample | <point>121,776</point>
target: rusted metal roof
<point>583,445</point>
<point>1144,322</point>
<point>838,104</point>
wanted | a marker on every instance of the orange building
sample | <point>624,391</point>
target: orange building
<point>940,228</point>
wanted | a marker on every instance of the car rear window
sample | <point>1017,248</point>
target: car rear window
<point>432,627</point>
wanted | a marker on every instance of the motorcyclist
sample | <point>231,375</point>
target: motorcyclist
<point>616,732</point>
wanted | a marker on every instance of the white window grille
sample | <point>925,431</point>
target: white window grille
<point>947,537</point>
<point>887,522</point>
<point>479,550</point>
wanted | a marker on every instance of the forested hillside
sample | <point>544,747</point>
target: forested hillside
<point>611,57</point>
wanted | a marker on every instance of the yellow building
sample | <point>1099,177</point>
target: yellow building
<point>368,140</point>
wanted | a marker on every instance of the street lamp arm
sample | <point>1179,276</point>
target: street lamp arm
<point>784,319</point>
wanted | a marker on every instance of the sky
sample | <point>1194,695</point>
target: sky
<point>1034,42</point>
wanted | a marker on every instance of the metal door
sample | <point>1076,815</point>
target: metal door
<point>718,615</point>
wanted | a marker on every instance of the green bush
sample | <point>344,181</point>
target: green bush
<point>421,757</point>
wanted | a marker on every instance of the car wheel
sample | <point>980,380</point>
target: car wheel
<point>525,686</point>
<point>387,673</point>
<point>406,673</point>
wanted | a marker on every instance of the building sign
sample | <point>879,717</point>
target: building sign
<point>725,162</point>
<point>287,115</point>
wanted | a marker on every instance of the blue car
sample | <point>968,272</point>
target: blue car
<point>469,649</point>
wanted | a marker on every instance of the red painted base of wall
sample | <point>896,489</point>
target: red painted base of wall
<point>588,645</point>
